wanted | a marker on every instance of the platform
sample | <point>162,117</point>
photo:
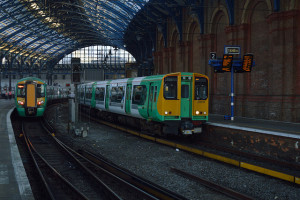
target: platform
<point>275,139</point>
<point>279,128</point>
<point>14,183</point>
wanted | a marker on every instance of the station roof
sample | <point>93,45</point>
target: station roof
<point>49,29</point>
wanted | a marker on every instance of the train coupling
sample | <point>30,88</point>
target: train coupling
<point>188,128</point>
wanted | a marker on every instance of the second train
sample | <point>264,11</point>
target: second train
<point>175,103</point>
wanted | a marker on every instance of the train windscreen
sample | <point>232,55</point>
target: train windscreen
<point>170,87</point>
<point>201,88</point>
<point>40,90</point>
<point>21,90</point>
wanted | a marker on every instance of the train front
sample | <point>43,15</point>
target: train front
<point>30,98</point>
<point>184,104</point>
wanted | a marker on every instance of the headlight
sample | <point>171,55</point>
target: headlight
<point>20,102</point>
<point>40,102</point>
<point>204,113</point>
<point>166,112</point>
<point>197,112</point>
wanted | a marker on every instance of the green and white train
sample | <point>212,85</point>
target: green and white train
<point>174,103</point>
<point>31,97</point>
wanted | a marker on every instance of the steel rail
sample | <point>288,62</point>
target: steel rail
<point>35,157</point>
<point>139,186</point>
<point>155,190</point>
<point>224,190</point>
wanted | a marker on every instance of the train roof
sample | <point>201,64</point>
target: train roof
<point>144,78</point>
<point>34,79</point>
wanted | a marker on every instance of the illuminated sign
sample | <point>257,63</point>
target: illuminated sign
<point>247,62</point>
<point>227,62</point>
<point>232,50</point>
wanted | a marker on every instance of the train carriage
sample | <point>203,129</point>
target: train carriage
<point>174,103</point>
<point>30,97</point>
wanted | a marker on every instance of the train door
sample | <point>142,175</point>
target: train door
<point>186,98</point>
<point>150,100</point>
<point>30,95</point>
<point>128,98</point>
<point>107,97</point>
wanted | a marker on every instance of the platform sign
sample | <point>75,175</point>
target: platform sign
<point>234,50</point>
<point>213,55</point>
<point>227,62</point>
<point>247,62</point>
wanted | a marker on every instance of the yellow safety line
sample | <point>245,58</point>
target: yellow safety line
<point>268,172</point>
<point>147,137</point>
<point>166,142</point>
<point>196,151</point>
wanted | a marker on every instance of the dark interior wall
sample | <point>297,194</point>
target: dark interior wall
<point>272,89</point>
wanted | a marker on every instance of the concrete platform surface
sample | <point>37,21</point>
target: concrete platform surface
<point>14,183</point>
<point>279,128</point>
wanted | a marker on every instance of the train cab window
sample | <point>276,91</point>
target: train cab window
<point>21,90</point>
<point>117,94</point>
<point>139,94</point>
<point>40,90</point>
<point>170,87</point>
<point>185,91</point>
<point>100,94</point>
<point>201,88</point>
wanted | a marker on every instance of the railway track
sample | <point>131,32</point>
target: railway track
<point>67,174</point>
<point>280,169</point>
<point>224,190</point>
<point>60,173</point>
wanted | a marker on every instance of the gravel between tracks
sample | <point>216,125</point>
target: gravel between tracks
<point>153,162</point>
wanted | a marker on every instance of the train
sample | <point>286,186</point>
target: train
<point>175,103</point>
<point>30,97</point>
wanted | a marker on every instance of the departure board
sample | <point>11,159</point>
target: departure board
<point>247,62</point>
<point>227,62</point>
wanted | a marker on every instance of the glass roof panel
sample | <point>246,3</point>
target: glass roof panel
<point>19,36</point>
<point>109,18</point>
<point>10,30</point>
<point>4,23</point>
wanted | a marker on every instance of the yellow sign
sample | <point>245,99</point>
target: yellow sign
<point>247,62</point>
<point>227,62</point>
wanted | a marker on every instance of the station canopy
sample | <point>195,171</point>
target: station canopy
<point>49,29</point>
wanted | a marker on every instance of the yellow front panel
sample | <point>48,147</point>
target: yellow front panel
<point>164,105</point>
<point>200,105</point>
<point>30,90</point>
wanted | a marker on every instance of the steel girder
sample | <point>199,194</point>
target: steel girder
<point>95,22</point>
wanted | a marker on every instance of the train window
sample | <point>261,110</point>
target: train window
<point>155,93</point>
<point>170,87</point>
<point>40,90</point>
<point>100,94</point>
<point>117,94</point>
<point>185,93</point>
<point>201,88</point>
<point>21,90</point>
<point>151,93</point>
<point>139,94</point>
<point>89,93</point>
